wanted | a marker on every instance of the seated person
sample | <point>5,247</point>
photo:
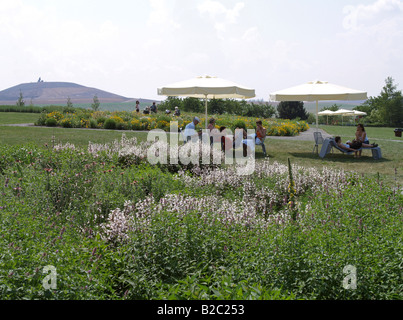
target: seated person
<point>177,112</point>
<point>260,135</point>
<point>260,132</point>
<point>211,129</point>
<point>226,142</point>
<point>361,136</point>
<point>190,130</point>
<point>146,110</point>
<point>241,136</point>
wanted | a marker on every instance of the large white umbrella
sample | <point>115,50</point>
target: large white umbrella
<point>351,113</point>
<point>344,112</point>
<point>326,113</point>
<point>359,113</point>
<point>207,87</point>
<point>318,91</point>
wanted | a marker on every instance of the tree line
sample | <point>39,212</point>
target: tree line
<point>220,106</point>
<point>285,110</point>
<point>384,110</point>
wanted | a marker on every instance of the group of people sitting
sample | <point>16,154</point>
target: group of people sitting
<point>227,141</point>
<point>177,112</point>
<point>361,141</point>
<point>147,110</point>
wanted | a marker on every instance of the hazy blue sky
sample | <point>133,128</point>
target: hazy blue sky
<point>132,47</point>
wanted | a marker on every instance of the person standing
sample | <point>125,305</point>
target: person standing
<point>154,108</point>
<point>137,106</point>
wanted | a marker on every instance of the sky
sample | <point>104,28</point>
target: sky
<point>132,47</point>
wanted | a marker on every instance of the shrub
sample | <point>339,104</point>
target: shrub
<point>51,122</point>
<point>101,120</point>
<point>238,124</point>
<point>109,124</point>
<point>93,123</point>
<point>66,123</point>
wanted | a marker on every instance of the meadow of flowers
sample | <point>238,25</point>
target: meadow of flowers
<point>124,120</point>
<point>116,227</point>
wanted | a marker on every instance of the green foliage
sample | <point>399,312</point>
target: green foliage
<point>292,110</point>
<point>34,109</point>
<point>193,234</point>
<point>387,108</point>
<point>259,110</point>
<point>220,106</point>
<point>193,105</point>
<point>69,107</point>
<point>170,103</point>
<point>20,102</point>
<point>51,122</point>
<point>109,124</point>
<point>238,124</point>
<point>95,104</point>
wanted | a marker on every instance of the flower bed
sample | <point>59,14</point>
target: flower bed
<point>124,120</point>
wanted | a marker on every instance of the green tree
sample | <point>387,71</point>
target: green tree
<point>217,106</point>
<point>292,110</point>
<point>170,103</point>
<point>258,110</point>
<point>69,103</point>
<point>20,101</point>
<point>391,108</point>
<point>387,108</point>
<point>193,105</point>
<point>233,106</point>
<point>69,106</point>
<point>333,107</point>
<point>95,105</point>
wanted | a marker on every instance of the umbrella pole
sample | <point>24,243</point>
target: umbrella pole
<point>206,111</point>
<point>317,116</point>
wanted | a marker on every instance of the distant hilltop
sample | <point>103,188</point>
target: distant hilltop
<point>45,93</point>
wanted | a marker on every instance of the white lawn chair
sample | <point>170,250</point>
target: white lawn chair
<point>318,140</point>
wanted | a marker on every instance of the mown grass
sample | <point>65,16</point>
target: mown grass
<point>17,117</point>
<point>375,134</point>
<point>44,135</point>
<point>389,168</point>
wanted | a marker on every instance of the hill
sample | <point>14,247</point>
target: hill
<point>57,93</point>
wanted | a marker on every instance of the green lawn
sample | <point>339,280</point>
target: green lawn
<point>389,168</point>
<point>80,137</point>
<point>374,134</point>
<point>17,117</point>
